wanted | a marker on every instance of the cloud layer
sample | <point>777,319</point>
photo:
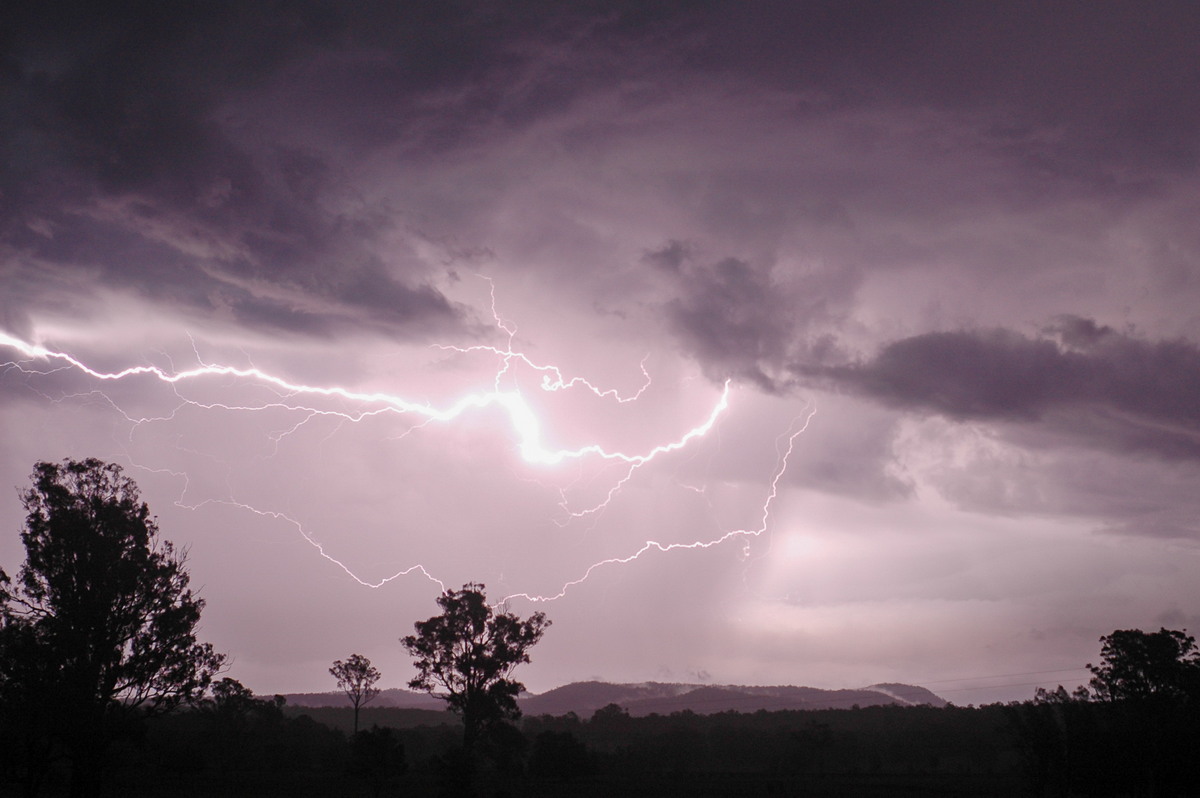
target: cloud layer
<point>1143,393</point>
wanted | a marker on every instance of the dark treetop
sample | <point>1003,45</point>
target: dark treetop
<point>468,652</point>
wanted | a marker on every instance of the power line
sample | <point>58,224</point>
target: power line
<point>989,687</point>
<point>1004,676</point>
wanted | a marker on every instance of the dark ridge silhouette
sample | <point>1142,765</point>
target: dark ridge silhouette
<point>584,698</point>
<point>909,694</point>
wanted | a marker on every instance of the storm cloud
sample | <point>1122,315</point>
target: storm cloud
<point>1146,393</point>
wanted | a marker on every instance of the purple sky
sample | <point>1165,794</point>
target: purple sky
<point>959,240</point>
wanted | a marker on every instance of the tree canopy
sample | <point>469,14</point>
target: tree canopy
<point>100,619</point>
<point>1140,665</point>
<point>466,656</point>
<point>1135,732</point>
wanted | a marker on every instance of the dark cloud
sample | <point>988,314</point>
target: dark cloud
<point>1079,66</point>
<point>1075,331</point>
<point>732,318</point>
<point>1101,384</point>
<point>670,256</point>
<point>147,147</point>
<point>740,321</point>
<point>997,374</point>
<point>187,113</point>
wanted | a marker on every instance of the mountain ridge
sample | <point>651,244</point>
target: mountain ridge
<point>645,698</point>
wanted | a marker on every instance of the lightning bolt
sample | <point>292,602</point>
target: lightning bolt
<point>552,377</point>
<point>524,421</point>
<point>280,516</point>
<point>294,397</point>
<point>654,545</point>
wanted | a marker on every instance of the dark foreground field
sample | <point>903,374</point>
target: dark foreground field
<point>266,749</point>
<point>634,785</point>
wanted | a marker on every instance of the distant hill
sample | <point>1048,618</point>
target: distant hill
<point>584,698</point>
<point>909,694</point>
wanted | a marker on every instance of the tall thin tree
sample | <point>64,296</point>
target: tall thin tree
<point>356,677</point>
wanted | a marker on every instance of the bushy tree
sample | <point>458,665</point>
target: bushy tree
<point>99,621</point>
<point>1135,732</point>
<point>466,656</point>
<point>1137,665</point>
<point>356,677</point>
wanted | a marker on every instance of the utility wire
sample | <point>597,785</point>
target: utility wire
<point>1004,676</point>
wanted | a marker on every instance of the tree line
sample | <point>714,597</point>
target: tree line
<point>104,687</point>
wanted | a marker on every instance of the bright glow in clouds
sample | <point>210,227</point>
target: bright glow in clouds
<point>313,401</point>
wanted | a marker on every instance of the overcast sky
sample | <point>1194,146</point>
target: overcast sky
<point>954,243</point>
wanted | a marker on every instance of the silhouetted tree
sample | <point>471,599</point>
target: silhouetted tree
<point>99,622</point>
<point>1135,732</point>
<point>1140,665</point>
<point>243,731</point>
<point>610,715</point>
<point>229,715</point>
<point>356,677</point>
<point>469,652</point>
<point>231,697</point>
<point>1149,683</point>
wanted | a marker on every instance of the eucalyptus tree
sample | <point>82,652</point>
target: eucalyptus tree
<point>466,656</point>
<point>356,678</point>
<point>100,622</point>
